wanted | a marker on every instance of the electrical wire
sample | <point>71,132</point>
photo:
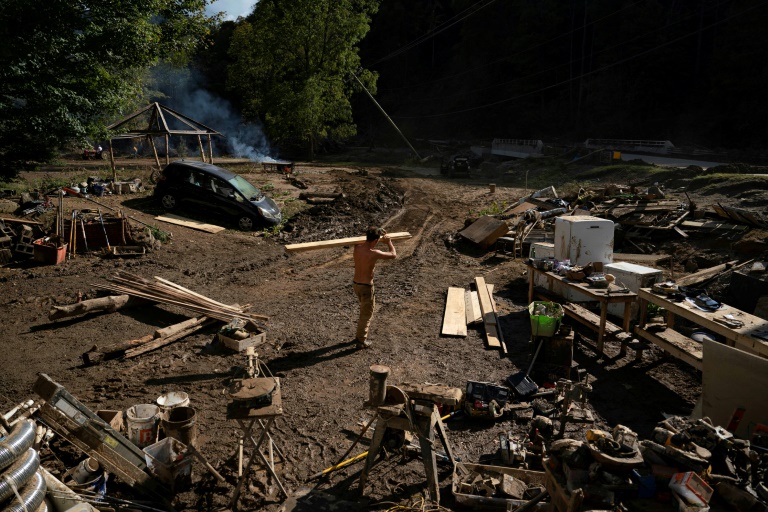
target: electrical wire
<point>506,57</point>
<point>568,64</point>
<point>429,35</point>
<point>588,73</point>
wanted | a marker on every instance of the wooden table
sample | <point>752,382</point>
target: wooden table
<point>741,338</point>
<point>604,296</point>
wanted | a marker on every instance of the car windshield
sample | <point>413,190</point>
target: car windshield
<point>248,190</point>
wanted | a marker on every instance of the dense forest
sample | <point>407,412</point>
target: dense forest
<point>294,75</point>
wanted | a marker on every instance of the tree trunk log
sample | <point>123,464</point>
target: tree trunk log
<point>109,304</point>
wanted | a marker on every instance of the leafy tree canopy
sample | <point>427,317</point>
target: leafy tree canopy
<point>69,68</point>
<point>292,62</point>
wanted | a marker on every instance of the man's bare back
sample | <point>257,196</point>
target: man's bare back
<point>366,256</point>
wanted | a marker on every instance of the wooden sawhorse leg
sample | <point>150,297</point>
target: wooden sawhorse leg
<point>256,447</point>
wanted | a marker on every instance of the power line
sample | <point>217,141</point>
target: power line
<point>429,35</point>
<point>507,57</point>
<point>589,73</point>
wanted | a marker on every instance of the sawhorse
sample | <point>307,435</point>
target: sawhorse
<point>261,419</point>
<point>420,418</point>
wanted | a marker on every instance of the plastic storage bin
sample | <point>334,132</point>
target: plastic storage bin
<point>167,461</point>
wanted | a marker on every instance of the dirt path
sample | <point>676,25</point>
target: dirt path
<point>312,310</point>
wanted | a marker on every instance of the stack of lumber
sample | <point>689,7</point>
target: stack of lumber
<point>464,307</point>
<point>167,292</point>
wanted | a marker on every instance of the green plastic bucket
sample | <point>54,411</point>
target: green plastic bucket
<point>545,323</point>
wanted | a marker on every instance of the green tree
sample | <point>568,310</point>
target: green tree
<point>292,65</point>
<point>68,69</point>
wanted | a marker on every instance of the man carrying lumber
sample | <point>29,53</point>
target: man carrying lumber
<point>366,256</point>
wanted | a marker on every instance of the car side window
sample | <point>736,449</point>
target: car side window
<point>222,188</point>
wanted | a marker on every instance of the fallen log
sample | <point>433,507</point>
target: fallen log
<point>167,340</point>
<point>109,304</point>
<point>98,354</point>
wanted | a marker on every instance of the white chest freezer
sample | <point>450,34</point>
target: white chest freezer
<point>583,239</point>
<point>633,277</point>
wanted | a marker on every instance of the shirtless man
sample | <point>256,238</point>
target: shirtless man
<point>366,256</point>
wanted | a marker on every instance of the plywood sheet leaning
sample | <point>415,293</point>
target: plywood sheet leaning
<point>189,223</point>
<point>488,313</point>
<point>454,319</point>
<point>340,242</point>
<point>485,231</point>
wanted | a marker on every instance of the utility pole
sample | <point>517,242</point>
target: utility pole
<point>385,115</point>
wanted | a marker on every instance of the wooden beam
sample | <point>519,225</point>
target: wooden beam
<point>472,307</point>
<point>339,242</point>
<point>705,274</point>
<point>454,318</point>
<point>109,304</point>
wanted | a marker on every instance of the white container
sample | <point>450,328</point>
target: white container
<point>633,277</point>
<point>141,423</point>
<point>583,239</point>
<point>167,460</point>
<point>542,250</point>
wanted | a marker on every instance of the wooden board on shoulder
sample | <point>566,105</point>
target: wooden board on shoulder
<point>340,242</point>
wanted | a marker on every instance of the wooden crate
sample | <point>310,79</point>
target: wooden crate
<point>562,500</point>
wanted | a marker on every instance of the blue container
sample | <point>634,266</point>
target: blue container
<point>98,190</point>
<point>646,484</point>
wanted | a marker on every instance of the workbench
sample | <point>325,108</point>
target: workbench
<point>612,294</point>
<point>689,350</point>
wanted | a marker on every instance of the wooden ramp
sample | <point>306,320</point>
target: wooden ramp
<point>454,319</point>
<point>485,231</point>
<point>171,218</point>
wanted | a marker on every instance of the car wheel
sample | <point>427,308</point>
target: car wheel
<point>168,201</point>
<point>245,223</point>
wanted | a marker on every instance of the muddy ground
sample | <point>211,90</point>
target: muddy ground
<point>312,309</point>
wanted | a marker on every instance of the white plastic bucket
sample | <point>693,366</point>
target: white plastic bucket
<point>141,423</point>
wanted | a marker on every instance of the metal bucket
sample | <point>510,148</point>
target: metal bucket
<point>181,424</point>
<point>141,423</point>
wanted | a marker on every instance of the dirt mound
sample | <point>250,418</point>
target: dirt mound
<point>366,201</point>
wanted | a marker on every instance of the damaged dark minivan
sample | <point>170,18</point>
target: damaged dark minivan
<point>210,189</point>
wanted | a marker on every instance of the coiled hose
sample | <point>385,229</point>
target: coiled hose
<point>19,473</point>
<point>16,443</point>
<point>32,496</point>
<point>18,464</point>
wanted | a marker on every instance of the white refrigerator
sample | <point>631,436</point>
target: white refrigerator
<point>583,239</point>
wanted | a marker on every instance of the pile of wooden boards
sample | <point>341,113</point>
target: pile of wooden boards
<point>167,292</point>
<point>465,307</point>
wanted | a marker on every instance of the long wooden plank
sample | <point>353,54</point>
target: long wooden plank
<point>171,218</point>
<point>472,307</point>
<point>488,313</point>
<point>454,319</point>
<point>486,303</point>
<point>681,347</point>
<point>339,242</point>
<point>499,332</point>
<point>703,275</point>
